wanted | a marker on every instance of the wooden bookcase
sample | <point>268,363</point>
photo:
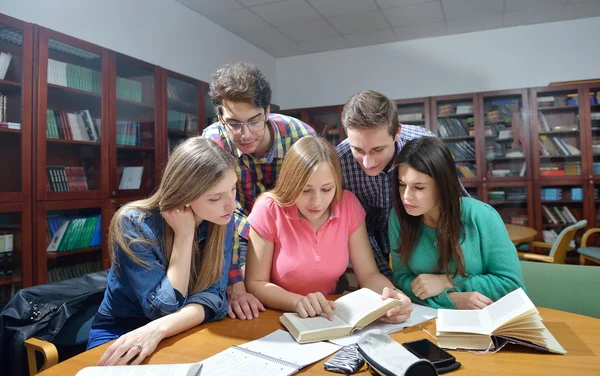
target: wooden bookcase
<point>73,85</point>
<point>74,260</point>
<point>185,109</point>
<point>16,41</point>
<point>135,120</point>
<point>454,121</point>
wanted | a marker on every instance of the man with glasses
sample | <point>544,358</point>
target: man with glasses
<point>259,140</point>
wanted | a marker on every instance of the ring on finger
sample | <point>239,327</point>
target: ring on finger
<point>140,348</point>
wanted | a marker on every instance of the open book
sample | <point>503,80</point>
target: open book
<point>353,311</point>
<point>187,369</point>
<point>511,319</point>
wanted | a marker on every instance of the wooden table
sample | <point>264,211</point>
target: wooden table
<point>520,234</point>
<point>579,335</point>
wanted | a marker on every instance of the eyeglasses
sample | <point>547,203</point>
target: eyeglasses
<point>253,126</point>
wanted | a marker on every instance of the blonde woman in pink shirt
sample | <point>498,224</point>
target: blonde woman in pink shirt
<point>305,231</point>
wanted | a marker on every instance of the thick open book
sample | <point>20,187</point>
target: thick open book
<point>511,319</point>
<point>353,311</point>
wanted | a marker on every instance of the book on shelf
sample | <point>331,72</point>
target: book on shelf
<point>66,179</point>
<point>352,312</point>
<point>131,177</point>
<point>4,63</point>
<point>74,76</point>
<point>79,125</point>
<point>70,233</point>
<point>129,89</point>
<point>410,117</point>
<point>511,319</point>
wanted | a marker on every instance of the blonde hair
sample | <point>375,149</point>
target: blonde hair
<point>194,167</point>
<point>299,163</point>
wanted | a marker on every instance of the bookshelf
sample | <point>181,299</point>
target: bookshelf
<point>557,133</point>
<point>135,126</point>
<point>415,111</point>
<point>72,115</point>
<point>506,134</point>
<point>71,239</point>
<point>513,201</point>
<point>16,65</point>
<point>186,110</point>
<point>454,122</point>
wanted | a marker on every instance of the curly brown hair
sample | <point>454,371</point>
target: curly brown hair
<point>240,82</point>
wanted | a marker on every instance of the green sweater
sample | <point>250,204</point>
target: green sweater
<point>491,260</point>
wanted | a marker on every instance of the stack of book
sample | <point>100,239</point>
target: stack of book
<point>446,110</point>
<point>71,233</point>
<point>410,117</point>
<point>66,179</point>
<point>74,76</point>
<point>547,101</point>
<point>4,123</point>
<point>79,125</point>
<point>128,89</point>
<point>180,121</point>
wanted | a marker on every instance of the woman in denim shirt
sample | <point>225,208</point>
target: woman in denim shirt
<point>170,255</point>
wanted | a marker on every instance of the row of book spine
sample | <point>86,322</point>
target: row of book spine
<point>74,76</point>
<point>73,271</point>
<point>71,233</point>
<point>466,170</point>
<point>66,179</point>
<point>180,121</point>
<point>556,146</point>
<point>556,215</point>
<point>462,150</point>
<point>454,127</point>
<point>5,59</point>
<point>129,133</point>
<point>129,89</point>
<point>79,126</point>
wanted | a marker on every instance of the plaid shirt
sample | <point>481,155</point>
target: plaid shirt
<point>256,175</point>
<point>375,193</point>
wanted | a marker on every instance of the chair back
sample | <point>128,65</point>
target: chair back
<point>561,245</point>
<point>562,287</point>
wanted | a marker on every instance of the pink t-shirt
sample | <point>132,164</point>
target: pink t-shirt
<point>305,261</point>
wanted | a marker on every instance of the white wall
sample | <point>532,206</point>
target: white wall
<point>508,58</point>
<point>162,32</point>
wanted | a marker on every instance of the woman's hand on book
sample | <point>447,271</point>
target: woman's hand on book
<point>469,300</point>
<point>132,347</point>
<point>399,313</point>
<point>429,285</point>
<point>314,304</point>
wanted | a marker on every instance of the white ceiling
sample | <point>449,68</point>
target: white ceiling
<point>295,27</point>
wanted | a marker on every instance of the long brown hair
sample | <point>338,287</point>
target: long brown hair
<point>430,156</point>
<point>301,160</point>
<point>193,168</point>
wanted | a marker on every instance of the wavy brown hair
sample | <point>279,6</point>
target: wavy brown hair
<point>430,156</point>
<point>301,160</point>
<point>193,168</point>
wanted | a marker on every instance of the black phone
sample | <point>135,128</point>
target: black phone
<point>425,349</point>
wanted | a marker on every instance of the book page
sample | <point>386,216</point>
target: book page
<point>282,345</point>
<point>468,321</point>
<point>507,308</point>
<point>313,324</point>
<point>234,361</point>
<point>189,369</point>
<point>355,306</point>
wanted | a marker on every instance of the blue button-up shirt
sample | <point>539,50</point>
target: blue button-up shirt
<point>136,291</point>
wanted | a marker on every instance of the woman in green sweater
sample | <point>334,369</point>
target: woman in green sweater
<point>449,251</point>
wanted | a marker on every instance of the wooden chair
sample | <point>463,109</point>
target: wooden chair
<point>588,253</point>
<point>558,250</point>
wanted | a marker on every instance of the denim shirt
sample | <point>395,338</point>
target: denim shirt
<point>138,291</point>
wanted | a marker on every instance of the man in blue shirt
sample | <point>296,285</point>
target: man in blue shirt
<point>375,137</point>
